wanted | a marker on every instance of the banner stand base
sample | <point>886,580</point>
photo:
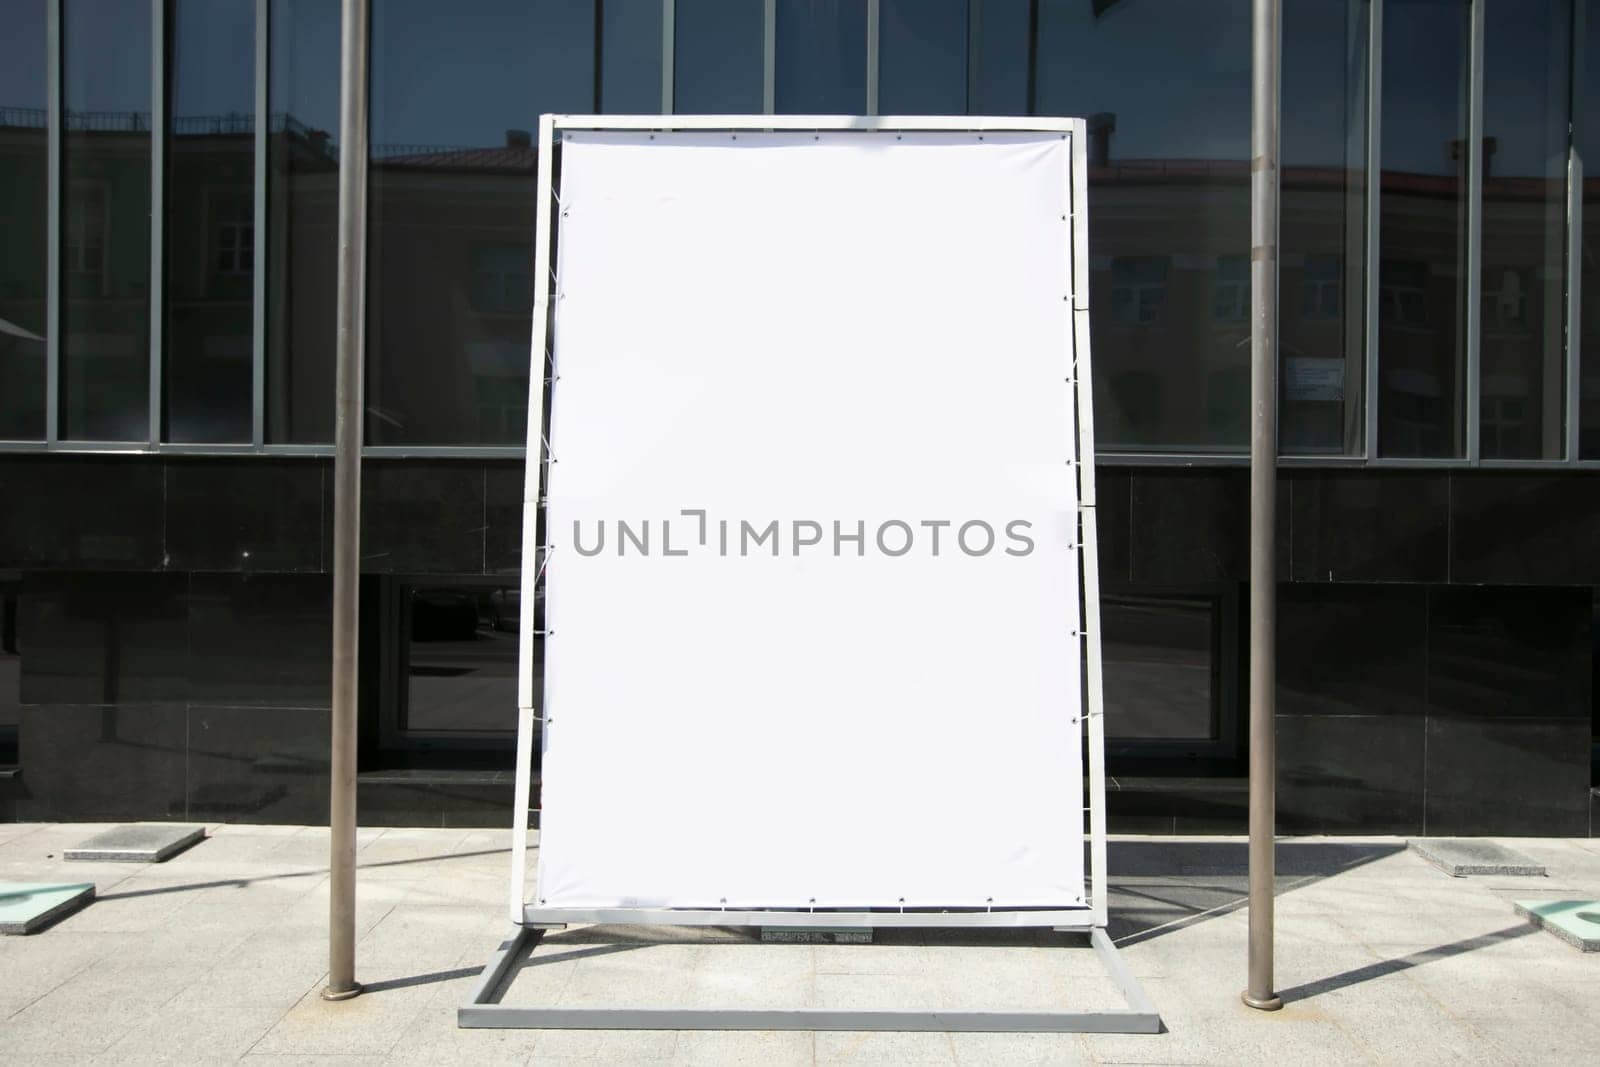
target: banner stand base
<point>483,1011</point>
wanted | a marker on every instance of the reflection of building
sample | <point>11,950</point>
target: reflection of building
<point>164,643</point>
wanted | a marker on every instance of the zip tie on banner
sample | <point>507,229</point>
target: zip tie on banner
<point>550,455</point>
<point>543,563</point>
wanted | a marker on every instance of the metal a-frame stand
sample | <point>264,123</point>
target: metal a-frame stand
<point>1089,918</point>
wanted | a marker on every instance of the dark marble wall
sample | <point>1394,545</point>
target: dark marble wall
<point>1435,659</point>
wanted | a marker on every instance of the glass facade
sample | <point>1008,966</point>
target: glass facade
<point>1322,228</point>
<point>209,245</point>
<point>1422,236</point>
<point>717,57</point>
<point>105,221</point>
<point>302,220</point>
<point>1425,316</point>
<point>24,209</point>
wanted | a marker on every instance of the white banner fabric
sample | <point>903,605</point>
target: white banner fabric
<point>813,588</point>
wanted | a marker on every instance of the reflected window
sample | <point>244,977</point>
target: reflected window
<point>1138,290</point>
<point>1230,291</point>
<point>1322,228</point>
<point>210,221</point>
<point>24,212</point>
<point>456,92</point>
<point>1161,664</point>
<point>1526,112</point>
<point>1321,288</point>
<point>105,221</point>
<point>1169,193</point>
<point>460,660</point>
<point>1403,294</point>
<point>84,242</point>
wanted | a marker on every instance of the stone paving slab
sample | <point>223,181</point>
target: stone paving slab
<point>219,955</point>
<point>26,907</point>
<point>1460,857</point>
<point>1577,922</point>
<point>145,842</point>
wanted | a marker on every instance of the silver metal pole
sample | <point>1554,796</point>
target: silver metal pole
<point>1263,492</point>
<point>342,982</point>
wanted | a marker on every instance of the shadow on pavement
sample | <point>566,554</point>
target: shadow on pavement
<point>1403,963</point>
<point>1161,886</point>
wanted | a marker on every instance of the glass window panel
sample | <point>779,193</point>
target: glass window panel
<point>1422,236</point>
<point>718,57</point>
<point>24,212</point>
<point>1586,136</point>
<point>302,219</point>
<point>1160,663</point>
<point>210,236</point>
<point>1322,227</point>
<point>1169,184</point>
<point>1000,81</point>
<point>1523,319</point>
<point>461,660</point>
<point>821,57</point>
<point>105,221</point>
<point>630,57</point>
<point>457,92</point>
<point>922,57</point>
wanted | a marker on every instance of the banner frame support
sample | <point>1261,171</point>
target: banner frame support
<point>1089,918</point>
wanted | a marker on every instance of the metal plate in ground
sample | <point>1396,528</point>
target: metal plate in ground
<point>1577,922</point>
<point>146,842</point>
<point>1463,856</point>
<point>27,907</point>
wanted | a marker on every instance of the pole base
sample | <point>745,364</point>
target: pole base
<point>1270,1002</point>
<point>342,994</point>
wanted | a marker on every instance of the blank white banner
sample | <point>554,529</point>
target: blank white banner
<point>813,590</point>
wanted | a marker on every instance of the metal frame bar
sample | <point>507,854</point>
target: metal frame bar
<point>1089,916</point>
<point>1081,919</point>
<point>874,14</point>
<point>1088,532</point>
<point>1574,323</point>
<point>669,44</point>
<point>538,349</point>
<point>769,57</point>
<point>156,289</point>
<point>258,281</point>
<point>482,1010</point>
<point>53,142</point>
<point>1370,388</point>
<point>862,123</point>
<point>1474,279</point>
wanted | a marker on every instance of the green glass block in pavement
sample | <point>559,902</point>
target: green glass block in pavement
<point>1577,922</point>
